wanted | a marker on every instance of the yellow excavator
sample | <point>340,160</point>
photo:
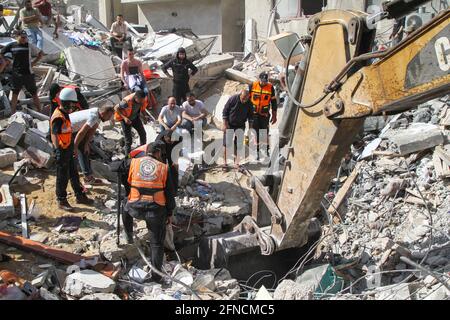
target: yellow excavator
<point>344,81</point>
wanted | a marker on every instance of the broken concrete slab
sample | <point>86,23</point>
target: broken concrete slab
<point>290,290</point>
<point>215,105</point>
<point>38,158</point>
<point>13,134</point>
<point>7,209</point>
<point>138,275</point>
<point>418,137</point>
<point>164,46</point>
<point>103,170</point>
<point>7,157</point>
<point>21,117</point>
<point>86,282</point>
<point>101,296</point>
<point>212,67</point>
<point>239,76</point>
<point>43,127</point>
<point>92,66</point>
<point>34,138</point>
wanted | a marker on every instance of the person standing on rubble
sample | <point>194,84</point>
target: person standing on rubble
<point>128,113</point>
<point>180,66</point>
<point>54,91</point>
<point>3,23</point>
<point>45,8</point>
<point>119,36</point>
<point>61,134</point>
<point>31,19</point>
<point>262,97</point>
<point>170,116</point>
<point>237,112</point>
<point>22,75</point>
<point>151,197</point>
<point>84,125</point>
<point>132,74</point>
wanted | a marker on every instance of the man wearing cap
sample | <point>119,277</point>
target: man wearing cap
<point>262,97</point>
<point>62,139</point>
<point>151,197</point>
<point>180,66</point>
<point>22,75</point>
<point>128,113</point>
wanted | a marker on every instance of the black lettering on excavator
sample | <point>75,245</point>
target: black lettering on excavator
<point>431,63</point>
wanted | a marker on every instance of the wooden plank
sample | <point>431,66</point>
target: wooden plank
<point>443,154</point>
<point>267,199</point>
<point>414,200</point>
<point>342,193</point>
<point>437,165</point>
<point>61,256</point>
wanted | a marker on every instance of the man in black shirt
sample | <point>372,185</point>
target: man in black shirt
<point>237,111</point>
<point>180,66</point>
<point>23,75</point>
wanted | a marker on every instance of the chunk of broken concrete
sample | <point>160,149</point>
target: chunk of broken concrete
<point>6,203</point>
<point>38,158</point>
<point>290,290</point>
<point>13,134</point>
<point>101,296</point>
<point>35,138</point>
<point>418,137</point>
<point>87,282</point>
<point>7,157</point>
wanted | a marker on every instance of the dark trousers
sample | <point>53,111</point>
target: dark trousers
<point>180,89</point>
<point>156,223</point>
<point>65,170</point>
<point>261,123</point>
<point>139,127</point>
<point>117,47</point>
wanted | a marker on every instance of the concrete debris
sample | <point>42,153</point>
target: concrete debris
<point>7,157</point>
<point>87,282</point>
<point>35,138</point>
<point>7,209</point>
<point>101,296</point>
<point>38,158</point>
<point>418,137</point>
<point>290,290</point>
<point>13,134</point>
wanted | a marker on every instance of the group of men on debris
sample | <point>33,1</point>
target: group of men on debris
<point>149,173</point>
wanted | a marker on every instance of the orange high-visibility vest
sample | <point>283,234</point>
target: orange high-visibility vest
<point>147,179</point>
<point>127,112</point>
<point>139,152</point>
<point>65,137</point>
<point>57,100</point>
<point>261,98</point>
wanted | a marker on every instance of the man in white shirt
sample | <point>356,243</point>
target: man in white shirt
<point>84,126</point>
<point>194,113</point>
<point>119,36</point>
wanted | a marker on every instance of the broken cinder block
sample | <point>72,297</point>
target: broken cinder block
<point>87,282</point>
<point>38,158</point>
<point>13,134</point>
<point>7,157</point>
<point>6,203</point>
<point>35,138</point>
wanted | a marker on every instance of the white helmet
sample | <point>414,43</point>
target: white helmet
<point>68,94</point>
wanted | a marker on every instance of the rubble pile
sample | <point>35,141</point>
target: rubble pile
<point>390,239</point>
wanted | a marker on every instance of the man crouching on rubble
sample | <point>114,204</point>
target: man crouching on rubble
<point>151,197</point>
<point>61,133</point>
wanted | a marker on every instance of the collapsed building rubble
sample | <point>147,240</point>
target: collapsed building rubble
<point>386,211</point>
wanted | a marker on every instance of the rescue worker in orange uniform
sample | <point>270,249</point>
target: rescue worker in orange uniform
<point>128,113</point>
<point>262,97</point>
<point>54,92</point>
<point>151,197</point>
<point>61,134</point>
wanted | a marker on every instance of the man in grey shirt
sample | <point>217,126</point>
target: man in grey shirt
<point>170,116</point>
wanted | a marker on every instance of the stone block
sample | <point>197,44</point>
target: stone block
<point>418,137</point>
<point>103,170</point>
<point>6,203</point>
<point>88,282</point>
<point>35,138</point>
<point>38,158</point>
<point>7,157</point>
<point>43,127</point>
<point>13,134</point>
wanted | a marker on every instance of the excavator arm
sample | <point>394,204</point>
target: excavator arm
<point>344,82</point>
